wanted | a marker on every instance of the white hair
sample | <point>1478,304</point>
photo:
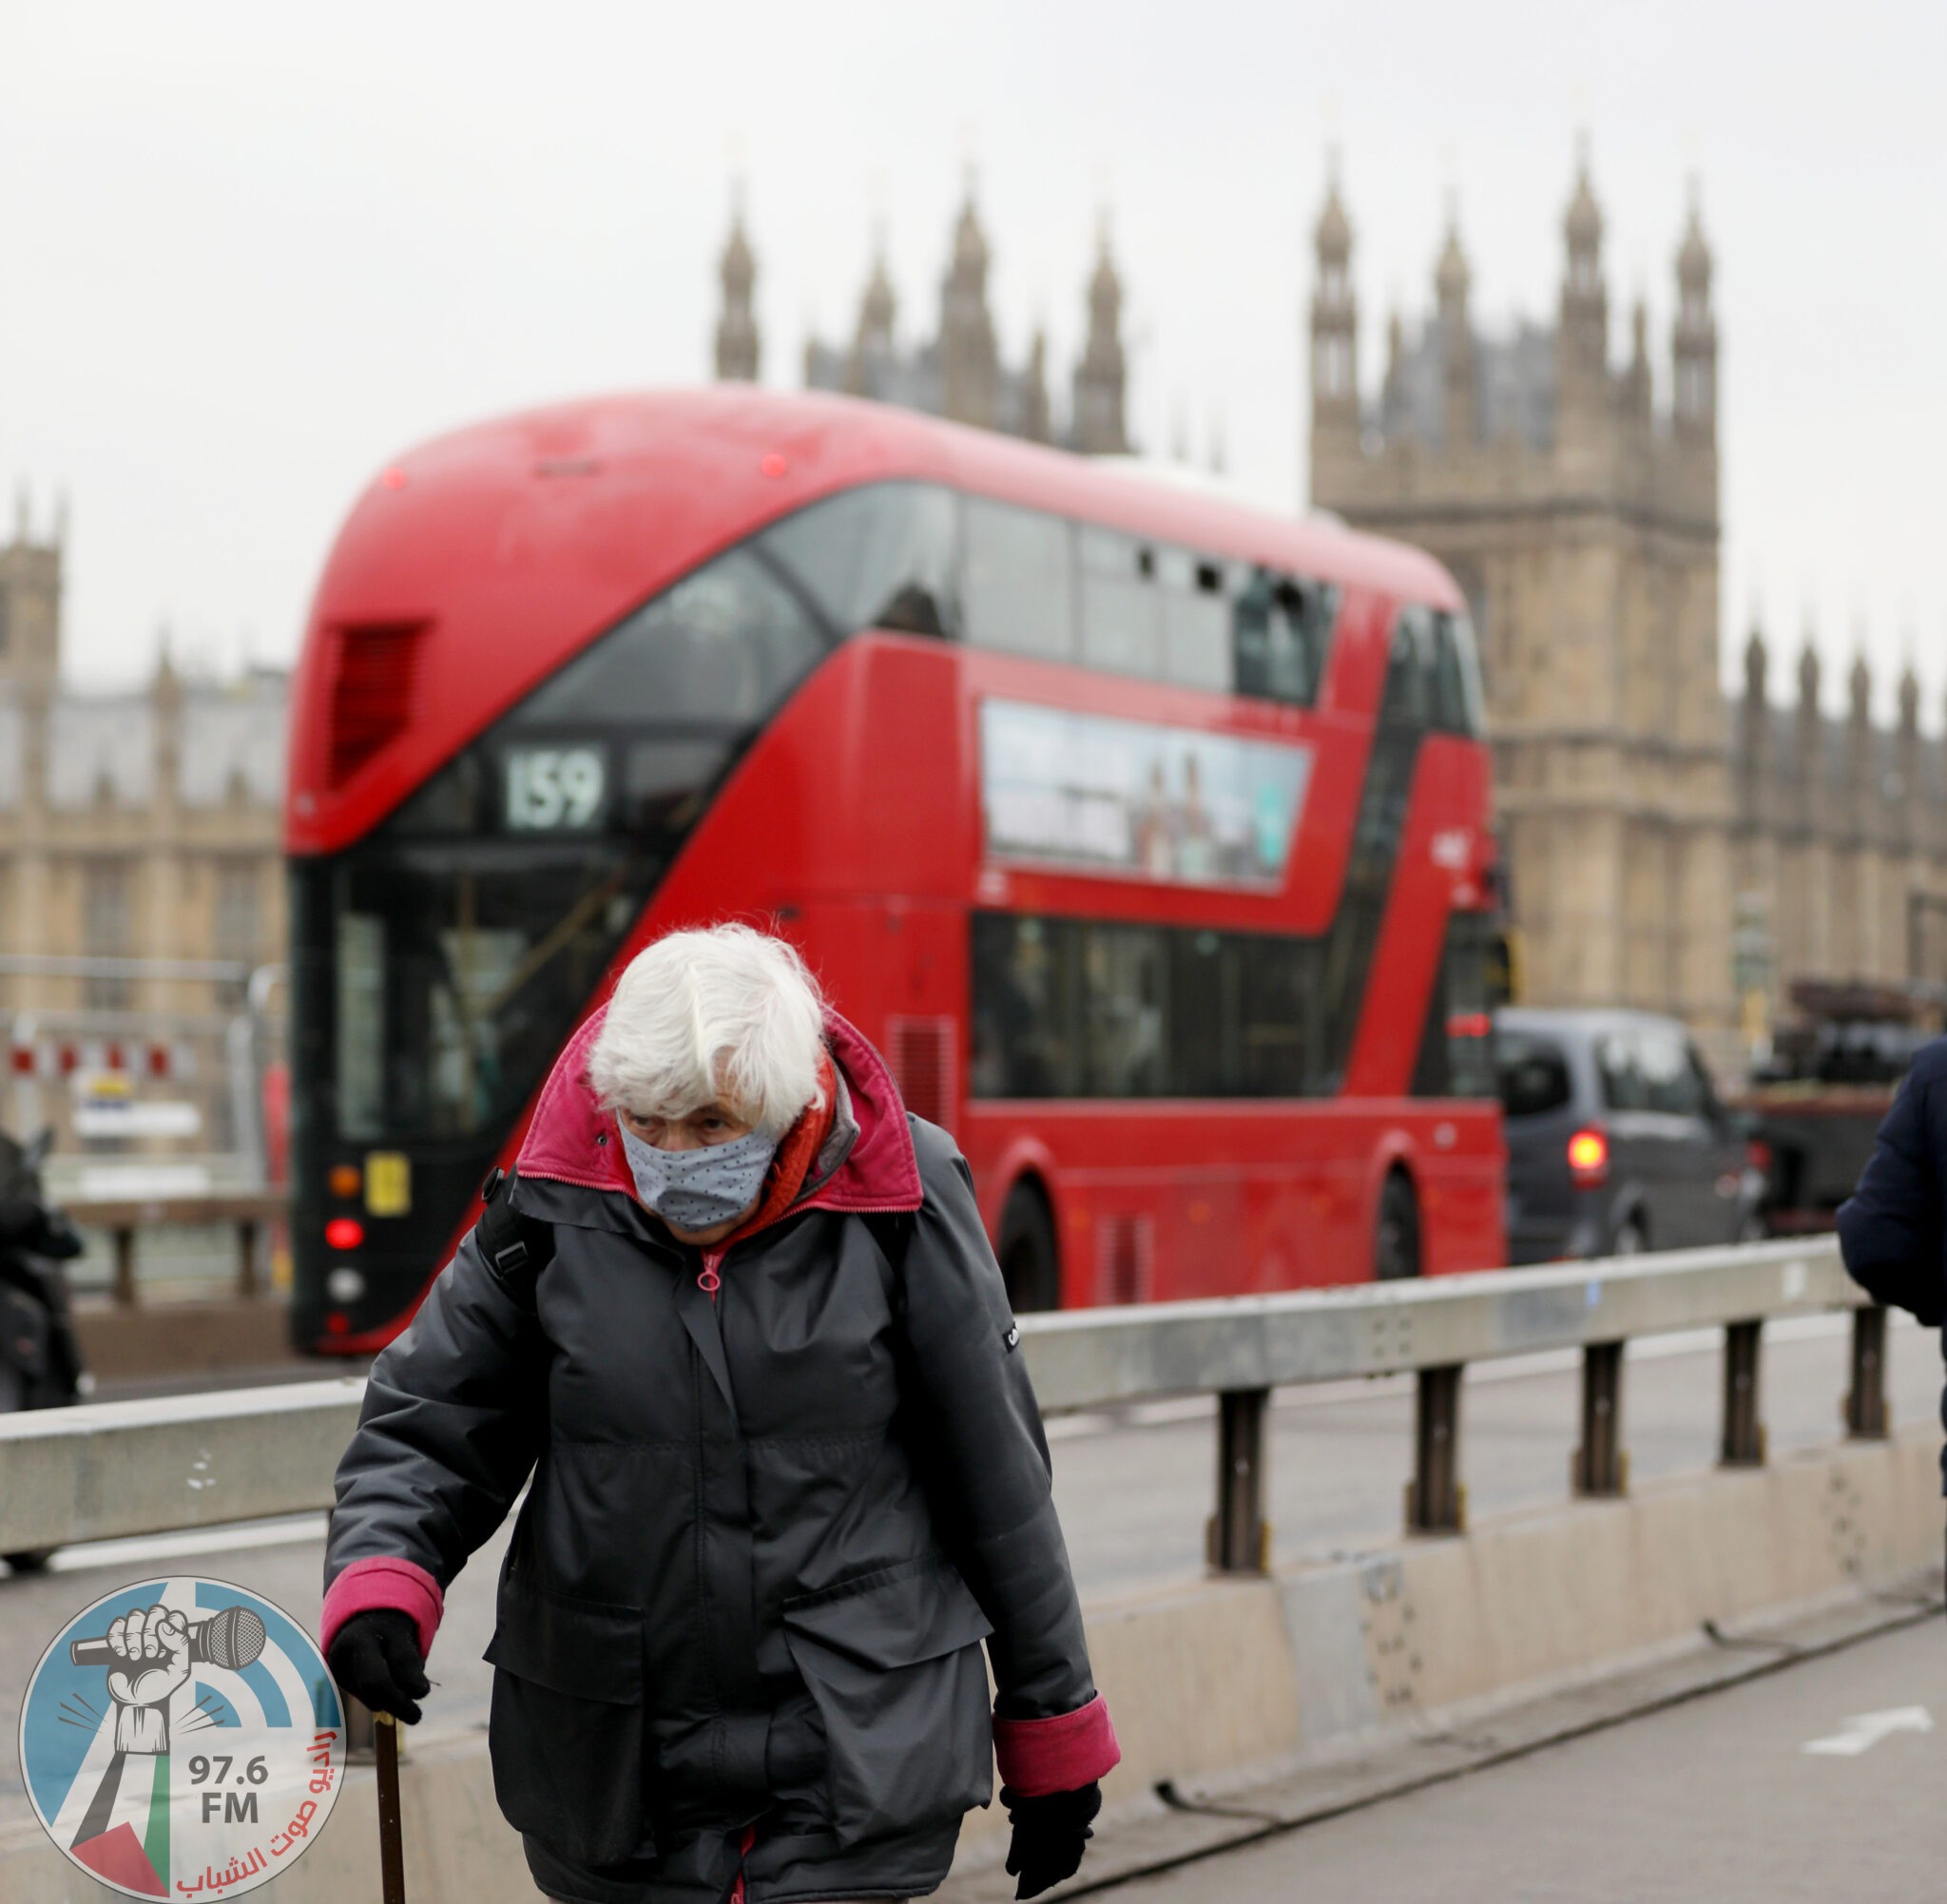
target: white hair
<point>727,1015</point>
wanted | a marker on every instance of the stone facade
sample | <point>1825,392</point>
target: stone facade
<point>1841,837</point>
<point>959,373</point>
<point>136,825</point>
<point>1650,828</point>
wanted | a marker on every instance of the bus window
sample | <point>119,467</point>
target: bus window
<point>1097,1008</point>
<point>1277,1017</point>
<point>1196,645</point>
<point>724,645</point>
<point>878,557</point>
<point>1017,581</point>
<point>1458,696</point>
<point>1121,628</point>
<point>1126,997</point>
<point>1203,997</point>
<point>1278,632</point>
<point>1457,1050</point>
<point>1412,671</point>
<point>1024,1016</point>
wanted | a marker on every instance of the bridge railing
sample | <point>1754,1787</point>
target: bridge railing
<point>105,1470</point>
<point>249,1214</point>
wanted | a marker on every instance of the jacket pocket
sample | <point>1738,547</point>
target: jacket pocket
<point>565,1729</point>
<point>894,1661</point>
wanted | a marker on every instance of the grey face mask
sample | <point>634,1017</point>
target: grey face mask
<point>698,1189</point>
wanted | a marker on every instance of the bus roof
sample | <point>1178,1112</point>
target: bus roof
<point>507,547</point>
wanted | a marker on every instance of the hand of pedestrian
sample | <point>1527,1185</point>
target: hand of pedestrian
<point>375,1656</point>
<point>1049,1832</point>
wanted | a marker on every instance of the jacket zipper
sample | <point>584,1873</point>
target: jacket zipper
<point>708,1278</point>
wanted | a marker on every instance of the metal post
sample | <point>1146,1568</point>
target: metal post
<point>1743,1434</point>
<point>1601,1465</point>
<point>1435,1501</point>
<point>1239,1536</point>
<point>246,1257</point>
<point>1865,1405</point>
<point>124,1234</point>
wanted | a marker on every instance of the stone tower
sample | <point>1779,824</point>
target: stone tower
<point>1335,340</point>
<point>961,374</point>
<point>969,355</point>
<point>30,603</point>
<point>870,364</point>
<point>1099,376</point>
<point>738,348</point>
<point>1583,528</point>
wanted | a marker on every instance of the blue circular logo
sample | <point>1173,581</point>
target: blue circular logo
<point>182,1737</point>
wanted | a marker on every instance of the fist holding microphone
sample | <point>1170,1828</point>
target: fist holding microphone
<point>149,1651</point>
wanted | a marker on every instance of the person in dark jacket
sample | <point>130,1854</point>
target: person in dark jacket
<point>1892,1231</point>
<point>787,1473</point>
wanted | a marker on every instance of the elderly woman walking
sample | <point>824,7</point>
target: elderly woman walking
<point>736,1312</point>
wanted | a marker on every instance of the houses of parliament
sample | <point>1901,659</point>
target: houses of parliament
<point>1665,846</point>
<point>140,830</point>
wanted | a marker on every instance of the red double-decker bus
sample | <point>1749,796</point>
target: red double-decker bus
<point>1146,834</point>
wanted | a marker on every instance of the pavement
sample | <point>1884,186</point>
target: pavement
<point>1819,1781</point>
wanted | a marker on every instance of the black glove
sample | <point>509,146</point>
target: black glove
<point>375,1656</point>
<point>1049,1832</point>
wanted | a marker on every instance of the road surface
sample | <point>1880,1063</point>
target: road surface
<point>1719,1800</point>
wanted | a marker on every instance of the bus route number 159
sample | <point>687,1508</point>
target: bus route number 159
<point>554,789</point>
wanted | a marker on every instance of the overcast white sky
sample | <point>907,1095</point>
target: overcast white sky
<point>247,252</point>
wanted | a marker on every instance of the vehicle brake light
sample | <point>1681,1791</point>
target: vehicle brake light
<point>1758,1156</point>
<point>1588,1159</point>
<point>344,1233</point>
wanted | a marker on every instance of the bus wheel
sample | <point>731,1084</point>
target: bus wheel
<point>1027,1253</point>
<point>1396,1241</point>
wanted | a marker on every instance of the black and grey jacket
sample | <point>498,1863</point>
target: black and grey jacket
<point>778,1499</point>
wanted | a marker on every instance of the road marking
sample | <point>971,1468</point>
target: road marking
<point>1865,1731</point>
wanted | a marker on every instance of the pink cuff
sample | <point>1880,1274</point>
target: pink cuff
<point>1073,1749</point>
<point>382,1581</point>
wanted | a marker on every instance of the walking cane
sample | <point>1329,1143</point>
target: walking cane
<point>392,1854</point>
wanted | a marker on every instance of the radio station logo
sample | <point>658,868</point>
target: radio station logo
<point>182,1739</point>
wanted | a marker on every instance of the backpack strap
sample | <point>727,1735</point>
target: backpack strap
<point>516,1247</point>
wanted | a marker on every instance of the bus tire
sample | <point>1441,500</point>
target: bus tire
<point>1396,1236</point>
<point>1029,1262</point>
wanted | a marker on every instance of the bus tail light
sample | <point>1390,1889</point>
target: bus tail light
<point>1588,1159</point>
<point>344,1233</point>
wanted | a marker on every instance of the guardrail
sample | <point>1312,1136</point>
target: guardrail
<point>250,1212</point>
<point>109,1469</point>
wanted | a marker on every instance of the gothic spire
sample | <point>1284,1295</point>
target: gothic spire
<point>1582,343</point>
<point>1693,346</point>
<point>1335,321</point>
<point>970,357</point>
<point>738,348</point>
<point>1101,376</point>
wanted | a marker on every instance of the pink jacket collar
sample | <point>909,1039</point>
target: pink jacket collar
<point>867,1165</point>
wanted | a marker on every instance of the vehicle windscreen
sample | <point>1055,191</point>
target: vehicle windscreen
<point>1532,1074</point>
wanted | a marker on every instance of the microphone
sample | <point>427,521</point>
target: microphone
<point>232,1636</point>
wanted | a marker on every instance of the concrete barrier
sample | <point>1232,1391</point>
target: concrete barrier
<point>1211,1678</point>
